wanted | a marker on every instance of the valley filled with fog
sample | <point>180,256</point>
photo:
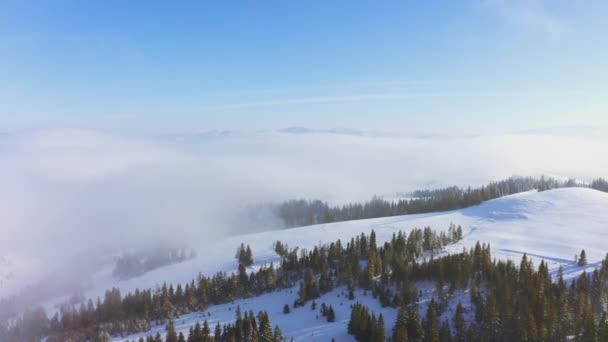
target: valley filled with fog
<point>76,199</point>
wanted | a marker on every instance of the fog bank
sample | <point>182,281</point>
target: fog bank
<point>84,195</point>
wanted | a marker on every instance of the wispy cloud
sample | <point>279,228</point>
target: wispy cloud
<point>528,13</point>
<point>305,100</point>
<point>363,97</point>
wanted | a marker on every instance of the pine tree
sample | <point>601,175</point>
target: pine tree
<point>286,309</point>
<point>379,332</point>
<point>400,329</point>
<point>331,315</point>
<point>248,257</point>
<point>431,323</point>
<point>445,333</point>
<point>218,332</point>
<point>265,328</point>
<point>197,333</point>
<point>181,338</point>
<point>460,328</point>
<point>414,329</point>
<point>278,335</point>
<point>171,333</point>
<point>582,260</point>
<point>206,331</point>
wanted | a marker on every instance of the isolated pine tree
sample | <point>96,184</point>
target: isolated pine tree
<point>582,260</point>
<point>331,314</point>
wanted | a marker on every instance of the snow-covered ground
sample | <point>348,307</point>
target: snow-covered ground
<point>552,226</point>
<point>303,323</point>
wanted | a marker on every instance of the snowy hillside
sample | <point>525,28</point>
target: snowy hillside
<point>552,226</point>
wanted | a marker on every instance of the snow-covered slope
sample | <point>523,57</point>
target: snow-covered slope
<point>553,226</point>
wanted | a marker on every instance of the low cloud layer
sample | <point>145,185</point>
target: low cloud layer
<point>72,195</point>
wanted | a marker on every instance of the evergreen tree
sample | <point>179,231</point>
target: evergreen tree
<point>582,260</point>
<point>171,333</point>
<point>278,335</point>
<point>400,329</point>
<point>265,328</point>
<point>248,256</point>
<point>218,332</point>
<point>379,330</point>
<point>460,328</point>
<point>445,332</point>
<point>331,314</point>
<point>431,323</point>
<point>414,329</point>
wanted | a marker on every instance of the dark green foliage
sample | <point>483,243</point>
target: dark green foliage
<point>244,255</point>
<point>364,326</point>
<point>600,184</point>
<point>431,323</point>
<point>582,259</point>
<point>135,264</point>
<point>413,326</point>
<point>281,249</point>
<point>295,213</point>
<point>331,314</point>
<point>245,328</point>
<point>509,302</point>
<point>460,326</point>
<point>171,333</point>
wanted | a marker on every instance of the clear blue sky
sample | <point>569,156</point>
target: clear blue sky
<point>473,66</point>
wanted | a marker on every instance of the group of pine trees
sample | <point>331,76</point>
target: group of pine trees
<point>135,264</point>
<point>245,328</point>
<point>365,326</point>
<point>509,302</point>
<point>327,311</point>
<point>244,255</point>
<point>295,213</point>
<point>318,271</point>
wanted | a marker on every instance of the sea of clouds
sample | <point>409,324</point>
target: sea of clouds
<point>72,198</point>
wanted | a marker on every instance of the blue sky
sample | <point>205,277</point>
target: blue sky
<point>441,66</point>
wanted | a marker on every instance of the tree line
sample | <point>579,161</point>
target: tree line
<point>296,213</point>
<point>131,265</point>
<point>509,302</point>
<point>317,271</point>
<point>244,328</point>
